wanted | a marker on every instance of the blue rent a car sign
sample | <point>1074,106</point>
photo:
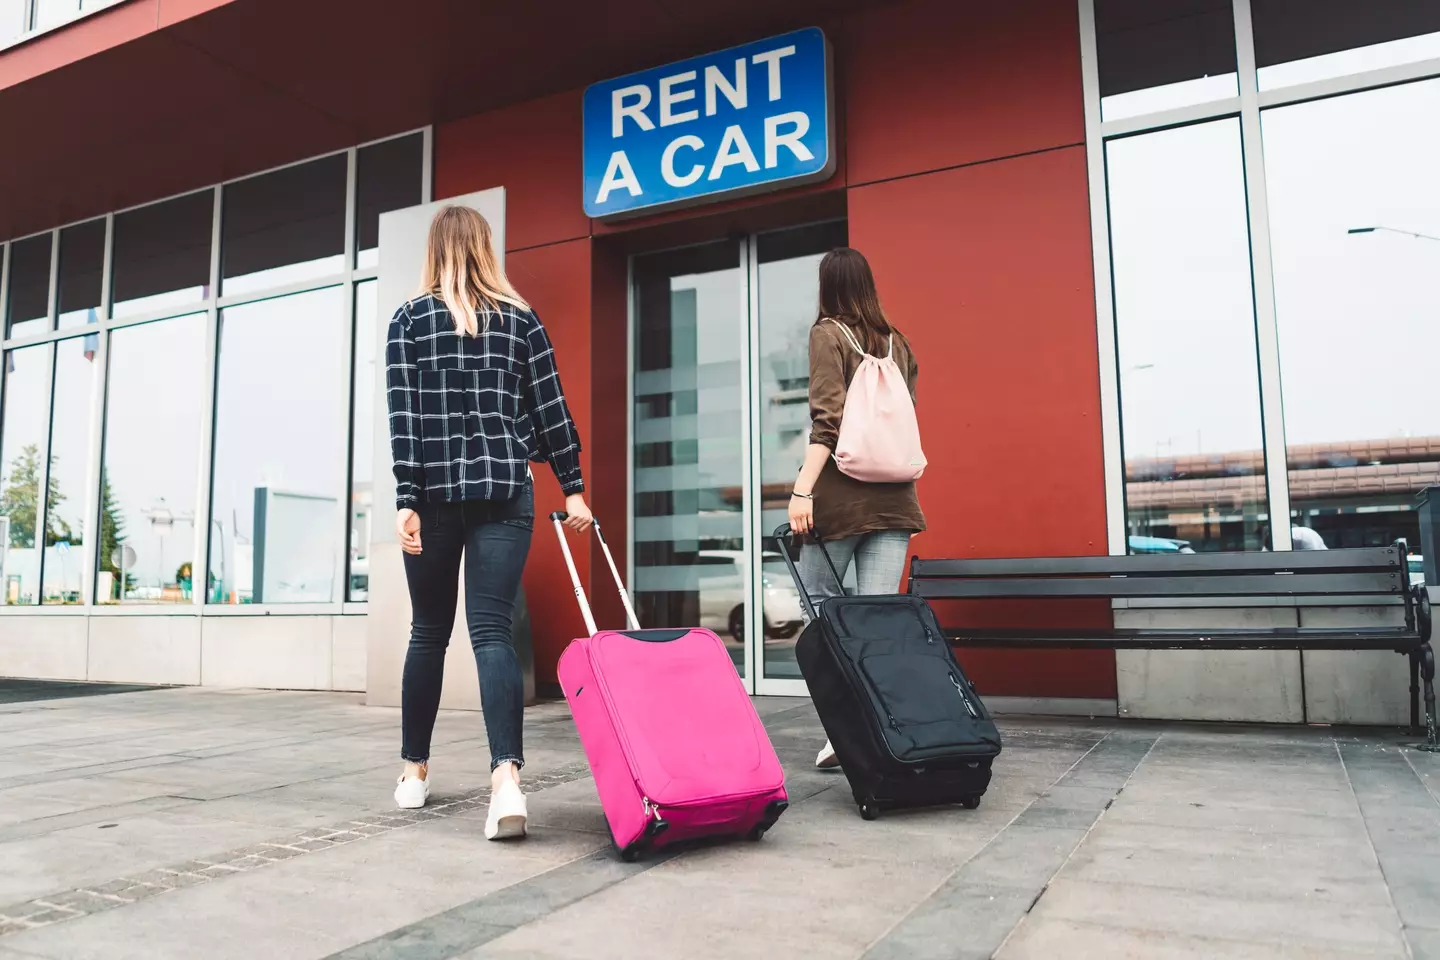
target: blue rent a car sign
<point>744,120</point>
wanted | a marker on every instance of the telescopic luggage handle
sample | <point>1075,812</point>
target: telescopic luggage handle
<point>558,518</point>
<point>783,531</point>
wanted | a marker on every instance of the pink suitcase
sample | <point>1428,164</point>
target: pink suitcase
<point>674,743</point>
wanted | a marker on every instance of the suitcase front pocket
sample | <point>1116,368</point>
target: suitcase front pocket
<point>923,702</point>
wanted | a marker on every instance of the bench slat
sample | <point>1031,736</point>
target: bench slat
<point>1281,585</point>
<point>1370,558</point>
<point>1381,638</point>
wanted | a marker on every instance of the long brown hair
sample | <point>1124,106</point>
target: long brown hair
<point>847,294</point>
<point>461,268</point>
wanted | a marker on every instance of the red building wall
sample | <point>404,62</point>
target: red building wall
<point>963,171</point>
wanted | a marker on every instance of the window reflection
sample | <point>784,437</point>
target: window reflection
<point>82,266</point>
<point>284,227</point>
<point>1160,54</point>
<point>280,446</point>
<point>1299,42</point>
<point>48,13</point>
<point>362,434</point>
<point>77,377</point>
<point>25,408</point>
<point>1357,308</point>
<point>12,19</point>
<point>1185,327</point>
<point>29,299</point>
<point>689,524</point>
<point>162,254</point>
<point>789,263</point>
<point>150,462</point>
<point>388,177</point>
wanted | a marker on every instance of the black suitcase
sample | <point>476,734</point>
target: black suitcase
<point>905,723</point>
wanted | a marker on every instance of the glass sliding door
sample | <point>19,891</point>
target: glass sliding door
<point>689,549</point>
<point>720,353</point>
<point>785,283</point>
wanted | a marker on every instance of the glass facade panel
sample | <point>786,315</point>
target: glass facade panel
<point>280,451</point>
<point>362,440</point>
<point>1355,236</point>
<point>29,305</point>
<point>284,227</point>
<point>77,378</point>
<point>82,267</point>
<point>162,254</point>
<point>13,14</point>
<point>1185,327</point>
<point>24,419</point>
<point>788,297</point>
<point>1297,41</point>
<point>689,550</point>
<point>48,13</point>
<point>1160,54</point>
<point>150,466</point>
<point>388,177</point>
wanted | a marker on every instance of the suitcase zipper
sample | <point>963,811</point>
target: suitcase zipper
<point>969,708</point>
<point>651,809</point>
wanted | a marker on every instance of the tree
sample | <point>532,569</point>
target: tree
<point>19,499</point>
<point>112,533</point>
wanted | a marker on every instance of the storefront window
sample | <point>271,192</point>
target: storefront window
<point>1297,41</point>
<point>788,277</point>
<point>1185,327</point>
<point>689,550</point>
<point>280,451</point>
<point>82,266</point>
<point>77,376</point>
<point>48,13</point>
<point>162,254</point>
<point>284,227</point>
<point>388,177</point>
<point>24,417</point>
<point>13,14</point>
<point>29,299</point>
<point>1355,237</point>
<point>1159,54</point>
<point>362,440</point>
<point>150,462</point>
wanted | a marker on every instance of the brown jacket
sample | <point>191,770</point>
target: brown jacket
<point>844,506</point>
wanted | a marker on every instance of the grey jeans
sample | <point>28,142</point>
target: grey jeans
<point>879,559</point>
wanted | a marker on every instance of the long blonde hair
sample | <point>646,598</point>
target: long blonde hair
<point>461,268</point>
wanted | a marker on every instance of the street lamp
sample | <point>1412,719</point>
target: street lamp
<point>1404,233</point>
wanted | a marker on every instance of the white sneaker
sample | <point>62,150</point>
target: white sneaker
<point>506,819</point>
<point>411,793</point>
<point>827,760</point>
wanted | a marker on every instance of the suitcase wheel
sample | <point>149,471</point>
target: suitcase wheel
<point>970,802</point>
<point>632,853</point>
<point>869,810</point>
<point>772,813</point>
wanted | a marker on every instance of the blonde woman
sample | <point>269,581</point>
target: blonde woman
<point>474,396</point>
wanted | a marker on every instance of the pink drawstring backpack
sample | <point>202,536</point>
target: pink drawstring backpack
<point>879,435</point>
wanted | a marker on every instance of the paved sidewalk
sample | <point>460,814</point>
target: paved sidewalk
<point>201,823</point>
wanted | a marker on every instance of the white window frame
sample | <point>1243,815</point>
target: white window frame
<point>1247,105</point>
<point>347,278</point>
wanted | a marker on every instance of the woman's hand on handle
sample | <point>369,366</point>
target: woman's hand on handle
<point>407,531</point>
<point>802,503</point>
<point>802,515</point>
<point>579,518</point>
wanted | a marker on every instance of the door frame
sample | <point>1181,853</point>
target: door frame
<point>751,472</point>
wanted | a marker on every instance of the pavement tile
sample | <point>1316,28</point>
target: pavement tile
<point>1048,939</point>
<point>1199,913</point>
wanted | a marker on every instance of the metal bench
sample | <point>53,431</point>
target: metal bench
<point>1372,576</point>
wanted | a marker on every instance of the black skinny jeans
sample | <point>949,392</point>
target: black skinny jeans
<point>494,540</point>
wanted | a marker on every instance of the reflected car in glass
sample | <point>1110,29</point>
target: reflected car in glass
<point>722,598</point>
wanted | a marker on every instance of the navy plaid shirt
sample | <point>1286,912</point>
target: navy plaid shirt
<point>467,414</point>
